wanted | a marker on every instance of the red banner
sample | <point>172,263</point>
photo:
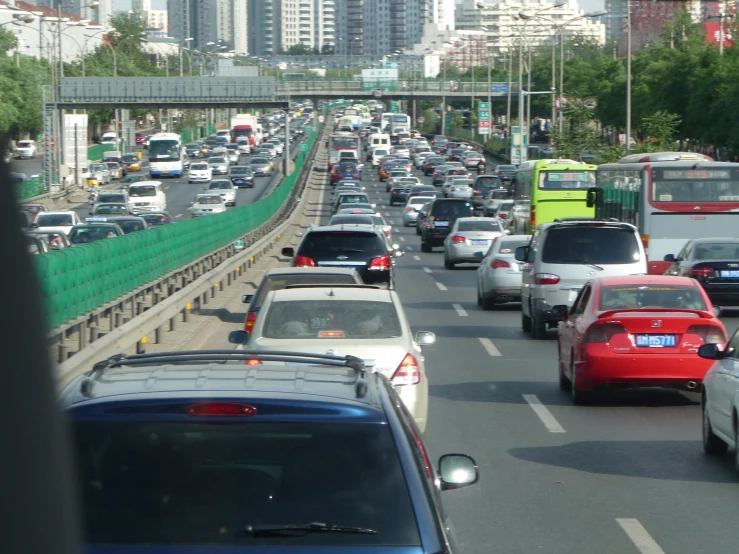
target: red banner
<point>712,30</point>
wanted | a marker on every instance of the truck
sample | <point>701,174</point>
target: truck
<point>245,125</point>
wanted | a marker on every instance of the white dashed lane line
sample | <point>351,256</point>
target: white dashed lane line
<point>178,216</point>
<point>417,258</point>
<point>546,417</point>
<point>639,536</point>
<point>461,312</point>
<point>488,345</point>
<point>425,269</point>
<point>441,286</point>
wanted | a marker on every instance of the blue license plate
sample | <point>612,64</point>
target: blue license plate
<point>730,273</point>
<point>656,341</point>
<point>479,243</point>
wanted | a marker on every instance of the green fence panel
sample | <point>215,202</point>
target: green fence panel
<point>30,188</point>
<point>95,152</point>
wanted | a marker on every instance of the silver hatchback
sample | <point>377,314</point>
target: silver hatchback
<point>499,274</point>
<point>469,239</point>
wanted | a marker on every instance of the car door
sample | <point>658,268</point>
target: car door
<point>527,273</point>
<point>574,328</point>
<point>724,389</point>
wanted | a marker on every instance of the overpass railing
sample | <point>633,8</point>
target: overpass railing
<point>420,86</point>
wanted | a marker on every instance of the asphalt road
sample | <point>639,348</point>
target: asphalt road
<point>180,193</point>
<point>625,476</point>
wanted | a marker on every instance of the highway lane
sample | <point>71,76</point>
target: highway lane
<point>627,475</point>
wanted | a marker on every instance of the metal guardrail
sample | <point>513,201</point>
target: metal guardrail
<point>420,87</point>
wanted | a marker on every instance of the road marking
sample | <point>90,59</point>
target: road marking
<point>461,312</point>
<point>417,258</point>
<point>402,239</point>
<point>426,269</point>
<point>545,415</point>
<point>639,536</point>
<point>178,215</point>
<point>387,214</point>
<point>488,345</point>
<point>440,285</point>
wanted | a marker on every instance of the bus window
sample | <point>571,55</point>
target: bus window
<point>566,180</point>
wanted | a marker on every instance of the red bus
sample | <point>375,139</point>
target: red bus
<point>338,142</point>
<point>671,197</point>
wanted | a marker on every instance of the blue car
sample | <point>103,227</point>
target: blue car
<point>253,452</point>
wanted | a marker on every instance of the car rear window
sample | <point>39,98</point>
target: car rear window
<point>590,245</point>
<point>146,481</point>
<point>281,281</point>
<point>483,224</point>
<point>713,251</point>
<point>336,243</point>
<point>130,226</point>
<point>487,182</point>
<point>650,296</point>
<point>447,209</point>
<point>142,191</point>
<point>353,199</point>
<point>332,319</point>
<point>111,198</point>
<point>508,247</point>
<point>54,220</point>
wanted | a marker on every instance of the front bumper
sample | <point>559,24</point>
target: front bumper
<point>198,178</point>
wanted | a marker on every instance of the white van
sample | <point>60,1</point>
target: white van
<point>109,138</point>
<point>379,139</point>
<point>146,196</point>
<point>378,153</point>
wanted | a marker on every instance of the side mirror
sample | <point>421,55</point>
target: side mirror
<point>456,471</point>
<point>669,258</point>
<point>238,337</point>
<point>521,253</point>
<point>560,311</point>
<point>594,194</point>
<point>717,311</point>
<point>424,338</point>
<point>288,252</point>
<point>247,298</point>
<point>711,351</point>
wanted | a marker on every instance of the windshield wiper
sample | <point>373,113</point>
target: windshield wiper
<point>583,262</point>
<point>303,529</point>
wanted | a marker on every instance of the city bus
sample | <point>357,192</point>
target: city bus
<point>166,155</point>
<point>545,190</point>
<point>400,123</point>
<point>671,197</point>
<point>338,142</point>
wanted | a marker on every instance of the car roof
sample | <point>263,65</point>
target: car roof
<point>309,270</point>
<point>62,212</point>
<point>340,227</point>
<point>143,184</point>
<point>359,292</point>
<point>710,240</point>
<point>645,280</point>
<point>587,223</point>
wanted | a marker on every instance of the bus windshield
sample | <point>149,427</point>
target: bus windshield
<point>566,180</point>
<point>347,142</point>
<point>164,150</point>
<point>695,185</point>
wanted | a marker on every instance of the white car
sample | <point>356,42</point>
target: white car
<point>56,222</point>
<point>207,204</point>
<point>225,188</point>
<point>199,173</point>
<point>219,165</point>
<point>243,146</point>
<point>410,210</point>
<point>461,189</point>
<point>233,155</point>
<point>25,149</point>
<point>499,274</point>
<point>146,196</point>
<point>469,239</point>
<point>362,321</point>
<point>279,146</point>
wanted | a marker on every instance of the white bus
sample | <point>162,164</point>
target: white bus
<point>166,156</point>
<point>400,123</point>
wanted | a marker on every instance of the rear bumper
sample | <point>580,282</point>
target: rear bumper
<point>464,253</point>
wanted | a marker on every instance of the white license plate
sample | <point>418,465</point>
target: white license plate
<point>441,224</point>
<point>479,243</point>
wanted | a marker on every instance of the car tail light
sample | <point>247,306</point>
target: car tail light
<point>533,216</point>
<point>496,263</point>
<point>304,261</point>
<point>436,173</point>
<point>407,372</point>
<point>251,319</point>
<point>387,232</point>
<point>603,332</point>
<point>546,279</point>
<point>458,239</point>
<point>408,209</point>
<point>380,263</point>
<point>645,241</point>
<point>708,333</point>
<point>503,216</point>
<point>224,409</point>
<point>700,271</point>
<point>253,361</point>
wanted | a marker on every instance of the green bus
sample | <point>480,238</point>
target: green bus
<point>545,190</point>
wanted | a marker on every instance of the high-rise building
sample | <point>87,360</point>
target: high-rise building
<point>276,25</point>
<point>442,14</point>
<point>222,22</point>
<point>154,19</point>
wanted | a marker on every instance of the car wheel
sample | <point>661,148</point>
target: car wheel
<point>712,445</point>
<point>564,382</point>
<point>448,264</point>
<point>488,303</point>
<point>418,231</point>
<point>425,247</point>
<point>538,327</point>
<point>525,322</point>
<point>579,397</point>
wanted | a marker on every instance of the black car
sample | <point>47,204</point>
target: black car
<point>241,176</point>
<point>505,173</point>
<point>714,263</point>
<point>364,250</point>
<point>193,150</point>
<point>431,163</point>
<point>440,218</point>
<point>484,183</point>
<point>399,195</point>
<point>155,219</point>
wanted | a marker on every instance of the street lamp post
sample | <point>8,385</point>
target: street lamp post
<point>628,75</point>
<point>188,39</point>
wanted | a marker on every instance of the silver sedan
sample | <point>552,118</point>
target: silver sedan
<point>469,239</point>
<point>499,274</point>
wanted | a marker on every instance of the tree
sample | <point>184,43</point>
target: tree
<point>327,49</point>
<point>661,127</point>
<point>579,136</point>
<point>299,49</point>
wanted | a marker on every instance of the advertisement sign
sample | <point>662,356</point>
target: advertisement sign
<point>712,32</point>
<point>483,118</point>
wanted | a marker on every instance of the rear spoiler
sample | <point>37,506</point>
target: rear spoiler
<point>611,313</point>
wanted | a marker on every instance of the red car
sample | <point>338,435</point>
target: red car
<point>140,138</point>
<point>635,331</point>
<point>345,170</point>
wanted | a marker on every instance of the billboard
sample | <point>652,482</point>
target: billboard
<point>712,32</point>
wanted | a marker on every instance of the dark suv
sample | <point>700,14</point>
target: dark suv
<point>440,218</point>
<point>361,248</point>
<point>204,451</point>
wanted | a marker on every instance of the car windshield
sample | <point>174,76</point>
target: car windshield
<point>111,197</point>
<point>112,165</point>
<point>505,206</point>
<point>24,143</point>
<point>336,243</point>
<point>335,319</point>
<point>131,226</point>
<point>131,158</point>
<point>99,167</point>
<point>142,191</point>
<point>111,209</point>
<point>584,245</point>
<point>650,296</point>
<point>199,167</point>
<point>221,185</point>
<point>154,481</point>
<point>279,282</point>
<point>54,220</point>
<point>216,160</point>
<point>507,167</point>
<point>208,199</point>
<point>716,251</point>
<point>259,161</point>
<point>240,170</point>
<point>91,233</point>
<point>482,224</point>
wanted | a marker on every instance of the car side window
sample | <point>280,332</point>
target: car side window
<point>684,252</point>
<point>533,247</point>
<point>578,308</point>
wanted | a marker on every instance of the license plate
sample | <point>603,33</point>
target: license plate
<point>165,172</point>
<point>441,224</point>
<point>479,243</point>
<point>731,273</point>
<point>656,341</point>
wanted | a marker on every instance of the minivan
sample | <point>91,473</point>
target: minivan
<point>379,139</point>
<point>146,196</point>
<point>562,256</point>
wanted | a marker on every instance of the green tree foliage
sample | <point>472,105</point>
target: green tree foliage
<point>579,135</point>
